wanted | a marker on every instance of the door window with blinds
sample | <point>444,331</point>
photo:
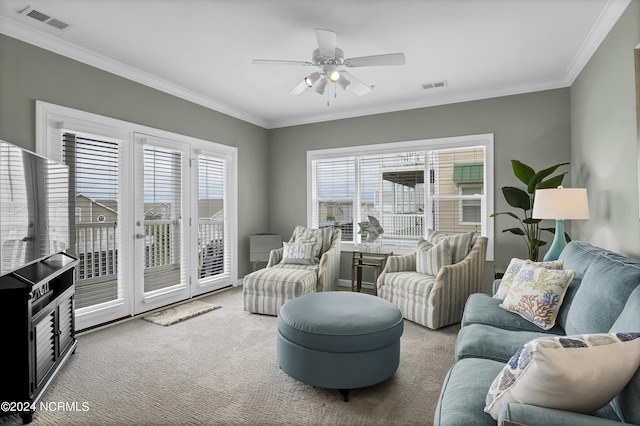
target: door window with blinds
<point>213,246</point>
<point>162,210</point>
<point>405,188</point>
<point>94,189</point>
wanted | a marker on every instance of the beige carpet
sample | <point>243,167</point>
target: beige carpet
<point>221,369</point>
<point>180,312</point>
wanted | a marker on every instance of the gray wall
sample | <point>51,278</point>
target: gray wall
<point>533,128</point>
<point>604,144</point>
<point>28,73</point>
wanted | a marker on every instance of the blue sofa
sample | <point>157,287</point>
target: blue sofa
<point>603,297</point>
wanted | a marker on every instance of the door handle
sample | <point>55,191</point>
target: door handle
<point>139,236</point>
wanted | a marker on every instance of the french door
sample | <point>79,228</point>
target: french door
<point>161,223</point>
<point>154,213</point>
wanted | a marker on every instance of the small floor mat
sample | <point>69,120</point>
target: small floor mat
<point>180,313</point>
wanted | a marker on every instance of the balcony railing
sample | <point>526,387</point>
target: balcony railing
<point>402,226</point>
<point>96,246</point>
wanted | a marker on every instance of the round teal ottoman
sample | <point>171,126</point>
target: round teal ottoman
<point>339,340</point>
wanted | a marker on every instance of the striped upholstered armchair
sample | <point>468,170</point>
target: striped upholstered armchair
<point>436,300</point>
<point>266,290</point>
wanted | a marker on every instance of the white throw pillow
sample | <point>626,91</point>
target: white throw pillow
<point>430,260</point>
<point>537,293</point>
<point>298,254</point>
<point>574,373</point>
<point>514,268</point>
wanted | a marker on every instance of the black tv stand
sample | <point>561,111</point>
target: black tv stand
<point>38,329</point>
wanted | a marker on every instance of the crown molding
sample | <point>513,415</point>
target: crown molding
<point>605,22</point>
<point>449,98</point>
<point>45,41</point>
<point>607,19</point>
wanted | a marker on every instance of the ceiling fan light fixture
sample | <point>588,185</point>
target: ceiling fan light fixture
<point>343,83</point>
<point>322,85</point>
<point>334,75</point>
<point>311,79</point>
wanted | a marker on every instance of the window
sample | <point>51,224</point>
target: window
<point>353,188</point>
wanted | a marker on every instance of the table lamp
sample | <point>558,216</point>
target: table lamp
<point>560,204</point>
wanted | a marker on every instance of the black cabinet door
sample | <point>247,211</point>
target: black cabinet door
<point>65,324</point>
<point>44,336</point>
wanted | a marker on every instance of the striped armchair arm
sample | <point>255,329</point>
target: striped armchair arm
<point>455,283</point>
<point>406,262</point>
<point>275,256</point>
<point>329,268</point>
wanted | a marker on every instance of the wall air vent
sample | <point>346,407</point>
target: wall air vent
<point>434,84</point>
<point>43,17</point>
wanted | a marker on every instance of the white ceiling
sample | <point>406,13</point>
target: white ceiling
<point>201,50</point>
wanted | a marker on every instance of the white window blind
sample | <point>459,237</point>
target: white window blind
<point>392,195</point>
<point>213,240</point>
<point>455,190</point>
<point>162,215</point>
<point>93,191</point>
<point>334,194</point>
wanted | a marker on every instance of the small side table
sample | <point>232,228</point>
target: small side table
<point>370,260</point>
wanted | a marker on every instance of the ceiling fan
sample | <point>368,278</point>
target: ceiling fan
<point>330,60</point>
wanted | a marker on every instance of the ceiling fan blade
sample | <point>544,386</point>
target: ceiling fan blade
<point>376,60</point>
<point>326,42</point>
<point>299,88</point>
<point>357,86</point>
<point>276,62</point>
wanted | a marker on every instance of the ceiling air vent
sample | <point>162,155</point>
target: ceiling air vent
<point>435,84</point>
<point>43,17</point>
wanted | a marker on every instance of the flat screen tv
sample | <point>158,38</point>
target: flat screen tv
<point>34,207</point>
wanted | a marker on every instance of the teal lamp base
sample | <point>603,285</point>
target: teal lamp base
<point>559,242</point>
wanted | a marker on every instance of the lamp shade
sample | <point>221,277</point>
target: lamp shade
<point>561,203</point>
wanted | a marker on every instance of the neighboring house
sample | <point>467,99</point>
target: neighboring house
<point>90,210</point>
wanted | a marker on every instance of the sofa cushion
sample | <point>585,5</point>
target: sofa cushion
<point>577,256</point>
<point>483,341</point>
<point>573,373</point>
<point>462,396</point>
<point>512,271</point>
<point>537,294</point>
<point>409,284</point>
<point>430,260</point>
<point>460,243</point>
<point>601,297</point>
<point>626,404</point>
<point>483,309</point>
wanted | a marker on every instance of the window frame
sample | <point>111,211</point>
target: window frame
<point>485,140</point>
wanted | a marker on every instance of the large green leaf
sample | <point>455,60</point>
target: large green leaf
<point>554,182</point>
<point>513,215</point>
<point>539,177</point>
<point>530,221</point>
<point>516,197</point>
<point>516,231</point>
<point>522,171</point>
<point>538,243</point>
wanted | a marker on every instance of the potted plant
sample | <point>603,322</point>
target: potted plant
<point>529,228</point>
